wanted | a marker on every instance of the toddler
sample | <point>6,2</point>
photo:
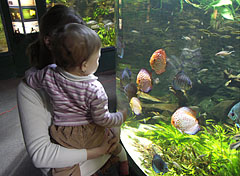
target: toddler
<point>80,103</point>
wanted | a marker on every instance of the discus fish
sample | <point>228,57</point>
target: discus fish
<point>234,114</point>
<point>135,105</point>
<point>158,61</point>
<point>144,80</point>
<point>159,165</point>
<point>181,81</point>
<point>125,77</point>
<point>130,90</point>
<point>236,145</point>
<point>184,119</point>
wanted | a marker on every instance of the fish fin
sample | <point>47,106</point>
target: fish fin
<point>235,145</point>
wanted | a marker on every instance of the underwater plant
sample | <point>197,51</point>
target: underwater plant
<point>207,153</point>
<point>219,9</point>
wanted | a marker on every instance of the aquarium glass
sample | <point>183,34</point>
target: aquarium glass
<point>182,100</point>
<point>29,13</point>
<point>3,40</point>
<point>98,14</point>
<point>13,3</point>
<point>15,14</point>
<point>28,3</point>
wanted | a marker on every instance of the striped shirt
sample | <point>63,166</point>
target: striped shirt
<point>76,100</point>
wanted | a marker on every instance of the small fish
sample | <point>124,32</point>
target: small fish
<point>184,119</point>
<point>186,38</point>
<point>234,114</point>
<point>135,105</point>
<point>135,31</point>
<point>130,90</point>
<point>144,80</point>
<point>224,53</point>
<point>158,61</point>
<point>202,70</point>
<point>125,77</point>
<point>156,80</point>
<point>182,81</point>
<point>236,145</point>
<point>120,47</point>
<point>229,47</point>
<point>159,165</point>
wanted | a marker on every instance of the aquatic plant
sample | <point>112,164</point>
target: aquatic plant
<point>219,9</point>
<point>206,153</point>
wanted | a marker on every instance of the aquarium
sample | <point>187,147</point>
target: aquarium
<point>24,16</point>
<point>178,73</point>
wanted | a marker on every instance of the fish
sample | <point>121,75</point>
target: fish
<point>125,77</point>
<point>130,90</point>
<point>234,114</point>
<point>158,61</point>
<point>159,165</point>
<point>181,81</point>
<point>135,105</point>
<point>144,80</point>
<point>235,145</point>
<point>120,47</point>
<point>186,38</point>
<point>184,119</point>
<point>156,80</point>
<point>202,70</point>
<point>224,53</point>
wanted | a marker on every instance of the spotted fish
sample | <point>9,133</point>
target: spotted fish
<point>184,119</point>
<point>159,165</point>
<point>135,105</point>
<point>158,61</point>
<point>181,81</point>
<point>144,80</point>
<point>234,114</point>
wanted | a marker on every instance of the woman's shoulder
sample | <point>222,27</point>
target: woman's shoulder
<point>35,96</point>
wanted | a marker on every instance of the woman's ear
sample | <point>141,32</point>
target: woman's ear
<point>47,42</point>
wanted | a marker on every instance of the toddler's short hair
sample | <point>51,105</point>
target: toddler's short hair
<point>74,43</point>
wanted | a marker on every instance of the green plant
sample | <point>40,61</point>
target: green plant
<point>206,153</point>
<point>107,35</point>
<point>224,8</point>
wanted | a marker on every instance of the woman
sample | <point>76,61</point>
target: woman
<point>35,111</point>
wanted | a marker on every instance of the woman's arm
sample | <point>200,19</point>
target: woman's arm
<point>35,119</point>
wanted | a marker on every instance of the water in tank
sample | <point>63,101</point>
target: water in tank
<point>178,72</point>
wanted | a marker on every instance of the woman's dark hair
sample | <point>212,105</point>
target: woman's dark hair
<point>57,16</point>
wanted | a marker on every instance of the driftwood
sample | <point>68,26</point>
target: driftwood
<point>233,80</point>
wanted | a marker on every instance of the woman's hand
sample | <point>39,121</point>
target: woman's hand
<point>108,145</point>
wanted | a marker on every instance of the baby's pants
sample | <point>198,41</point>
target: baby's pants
<point>76,137</point>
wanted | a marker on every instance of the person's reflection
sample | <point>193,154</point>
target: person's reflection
<point>17,31</point>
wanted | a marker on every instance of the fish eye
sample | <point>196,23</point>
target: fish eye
<point>232,114</point>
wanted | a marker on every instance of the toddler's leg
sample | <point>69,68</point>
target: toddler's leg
<point>123,162</point>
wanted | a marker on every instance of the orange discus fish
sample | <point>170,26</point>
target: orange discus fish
<point>144,80</point>
<point>158,61</point>
<point>184,119</point>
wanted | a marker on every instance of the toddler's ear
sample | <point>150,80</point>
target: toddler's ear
<point>84,66</point>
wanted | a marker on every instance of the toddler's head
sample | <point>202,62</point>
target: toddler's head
<point>76,49</point>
